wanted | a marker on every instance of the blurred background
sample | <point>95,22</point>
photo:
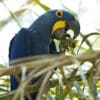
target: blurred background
<point>15,14</point>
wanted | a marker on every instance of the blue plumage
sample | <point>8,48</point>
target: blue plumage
<point>37,39</point>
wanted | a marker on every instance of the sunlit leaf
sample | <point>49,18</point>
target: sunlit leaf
<point>45,7</point>
<point>20,12</point>
<point>3,90</point>
<point>2,67</point>
<point>11,13</point>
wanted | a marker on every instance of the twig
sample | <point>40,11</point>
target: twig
<point>43,84</point>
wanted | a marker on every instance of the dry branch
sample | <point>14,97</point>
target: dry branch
<point>46,60</point>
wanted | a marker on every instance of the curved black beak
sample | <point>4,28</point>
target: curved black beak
<point>74,25</point>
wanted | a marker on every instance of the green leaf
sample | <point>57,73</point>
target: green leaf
<point>3,90</point>
<point>4,79</point>
<point>2,66</point>
<point>11,13</point>
<point>46,8</point>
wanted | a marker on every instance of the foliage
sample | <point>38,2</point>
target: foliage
<point>62,85</point>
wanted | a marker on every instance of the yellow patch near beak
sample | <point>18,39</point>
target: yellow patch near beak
<point>58,25</point>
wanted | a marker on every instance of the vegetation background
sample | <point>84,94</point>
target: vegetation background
<point>15,14</point>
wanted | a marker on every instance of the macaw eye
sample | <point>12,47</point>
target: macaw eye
<point>59,13</point>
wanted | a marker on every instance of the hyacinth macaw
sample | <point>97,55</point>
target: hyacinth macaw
<point>38,38</point>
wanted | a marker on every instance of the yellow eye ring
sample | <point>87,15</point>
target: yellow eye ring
<point>59,13</point>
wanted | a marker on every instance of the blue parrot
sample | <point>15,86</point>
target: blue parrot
<point>39,37</point>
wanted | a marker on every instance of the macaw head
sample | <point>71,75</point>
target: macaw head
<point>65,25</point>
<point>57,23</point>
